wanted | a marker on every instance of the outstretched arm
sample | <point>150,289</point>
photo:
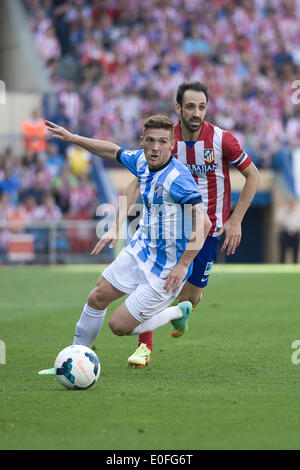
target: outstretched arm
<point>101,148</point>
<point>233,226</point>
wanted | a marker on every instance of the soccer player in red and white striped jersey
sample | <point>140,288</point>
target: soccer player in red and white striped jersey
<point>207,151</point>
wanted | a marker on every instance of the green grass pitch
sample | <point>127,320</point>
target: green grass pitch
<point>228,383</point>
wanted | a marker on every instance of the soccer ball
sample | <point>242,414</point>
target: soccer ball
<point>77,367</point>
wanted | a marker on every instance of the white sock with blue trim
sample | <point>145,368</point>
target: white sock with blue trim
<point>89,325</point>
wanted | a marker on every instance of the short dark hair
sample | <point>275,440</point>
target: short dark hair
<point>196,86</point>
<point>159,121</point>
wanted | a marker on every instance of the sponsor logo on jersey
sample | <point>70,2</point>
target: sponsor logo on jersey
<point>209,156</point>
<point>131,152</point>
<point>201,169</point>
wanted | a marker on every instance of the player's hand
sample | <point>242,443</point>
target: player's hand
<point>59,132</point>
<point>110,237</point>
<point>175,277</point>
<point>233,235</point>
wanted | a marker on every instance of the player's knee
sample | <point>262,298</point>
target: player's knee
<point>116,327</point>
<point>97,298</point>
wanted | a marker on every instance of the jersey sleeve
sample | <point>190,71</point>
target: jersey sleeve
<point>129,159</point>
<point>185,191</point>
<point>233,152</point>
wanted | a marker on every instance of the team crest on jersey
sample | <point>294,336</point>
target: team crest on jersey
<point>158,190</point>
<point>209,156</point>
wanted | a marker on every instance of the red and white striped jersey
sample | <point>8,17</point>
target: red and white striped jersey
<point>48,46</point>
<point>72,103</point>
<point>208,160</point>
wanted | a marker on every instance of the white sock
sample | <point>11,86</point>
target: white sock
<point>88,325</point>
<point>160,319</point>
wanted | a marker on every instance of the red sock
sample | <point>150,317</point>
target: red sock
<point>147,339</point>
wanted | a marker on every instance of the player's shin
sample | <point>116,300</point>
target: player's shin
<point>89,325</point>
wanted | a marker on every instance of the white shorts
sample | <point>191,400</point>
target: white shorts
<point>145,299</point>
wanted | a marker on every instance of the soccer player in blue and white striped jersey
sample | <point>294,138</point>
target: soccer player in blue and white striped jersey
<point>165,192</point>
<point>152,269</point>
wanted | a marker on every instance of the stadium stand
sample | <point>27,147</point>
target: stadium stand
<point>245,51</point>
<point>111,63</point>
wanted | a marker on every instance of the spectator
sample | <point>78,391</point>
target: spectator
<point>293,128</point>
<point>133,44</point>
<point>44,170</point>
<point>29,207</point>
<point>59,11</point>
<point>37,190</point>
<point>34,132</point>
<point>62,186</point>
<point>6,211</point>
<point>47,44</point>
<point>282,57</point>
<point>54,160</point>
<point>71,101</point>
<point>78,160</point>
<point>195,44</point>
<point>288,220</point>
<point>17,219</point>
<point>28,158</point>
<point>83,200</point>
<point>48,210</point>
<point>10,184</point>
<point>61,118</point>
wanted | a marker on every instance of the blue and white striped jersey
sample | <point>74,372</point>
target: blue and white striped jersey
<point>165,225</point>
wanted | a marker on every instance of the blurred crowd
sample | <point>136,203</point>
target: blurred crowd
<point>113,62</point>
<point>46,183</point>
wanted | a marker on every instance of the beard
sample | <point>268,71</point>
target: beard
<point>190,125</point>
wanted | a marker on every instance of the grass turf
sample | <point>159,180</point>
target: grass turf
<point>229,383</point>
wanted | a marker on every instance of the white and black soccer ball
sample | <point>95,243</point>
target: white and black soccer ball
<point>77,367</point>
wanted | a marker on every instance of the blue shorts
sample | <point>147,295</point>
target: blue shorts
<point>203,262</point>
